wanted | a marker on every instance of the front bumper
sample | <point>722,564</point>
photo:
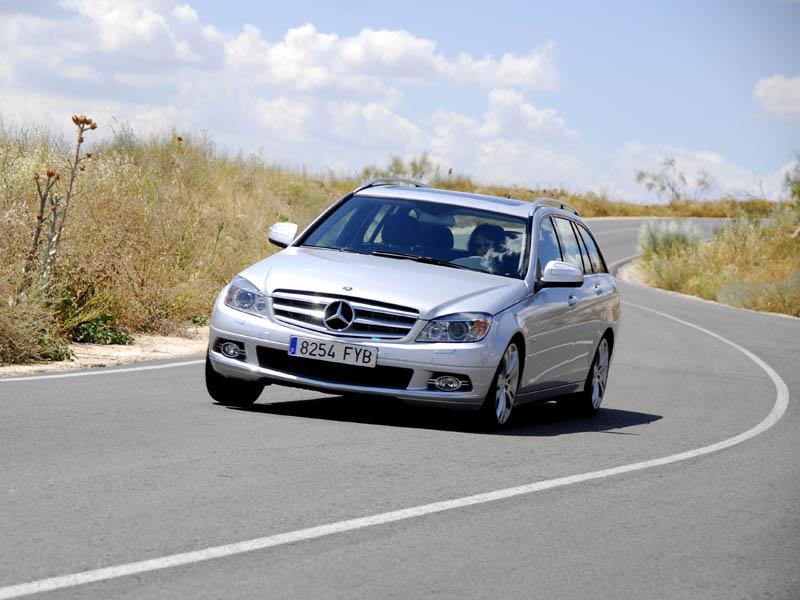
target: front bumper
<point>474,360</point>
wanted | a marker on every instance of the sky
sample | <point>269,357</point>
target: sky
<point>576,95</point>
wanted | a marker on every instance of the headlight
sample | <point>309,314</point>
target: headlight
<point>465,327</point>
<point>243,295</point>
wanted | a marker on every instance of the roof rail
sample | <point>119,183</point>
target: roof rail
<point>388,181</point>
<point>553,202</point>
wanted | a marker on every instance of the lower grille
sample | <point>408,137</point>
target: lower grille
<point>380,376</point>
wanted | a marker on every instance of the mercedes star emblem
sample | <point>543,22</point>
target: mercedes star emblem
<point>338,315</point>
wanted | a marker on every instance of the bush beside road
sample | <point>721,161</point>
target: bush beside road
<point>749,263</point>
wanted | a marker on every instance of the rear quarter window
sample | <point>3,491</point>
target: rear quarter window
<point>598,265</point>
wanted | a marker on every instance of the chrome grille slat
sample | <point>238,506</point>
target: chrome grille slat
<point>378,322</point>
<point>296,309</point>
<point>388,311</point>
<point>313,299</point>
<point>306,310</point>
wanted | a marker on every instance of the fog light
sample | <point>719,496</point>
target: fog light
<point>230,350</point>
<point>447,383</point>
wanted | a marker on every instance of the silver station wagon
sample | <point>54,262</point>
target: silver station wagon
<point>427,295</point>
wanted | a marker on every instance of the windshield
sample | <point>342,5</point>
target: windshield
<point>455,236</point>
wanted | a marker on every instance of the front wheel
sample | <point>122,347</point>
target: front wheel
<point>502,394</point>
<point>231,392</point>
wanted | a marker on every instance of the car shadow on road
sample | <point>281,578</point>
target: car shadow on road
<point>543,419</point>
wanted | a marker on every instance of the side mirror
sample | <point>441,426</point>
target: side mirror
<point>561,274</point>
<point>282,234</point>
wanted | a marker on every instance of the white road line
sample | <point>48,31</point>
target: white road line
<point>103,372</point>
<point>185,558</point>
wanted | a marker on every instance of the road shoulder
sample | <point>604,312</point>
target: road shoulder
<point>631,271</point>
<point>145,348</point>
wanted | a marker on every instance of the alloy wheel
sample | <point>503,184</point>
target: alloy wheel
<point>600,374</point>
<point>507,384</point>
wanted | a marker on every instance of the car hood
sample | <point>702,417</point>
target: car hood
<point>433,290</point>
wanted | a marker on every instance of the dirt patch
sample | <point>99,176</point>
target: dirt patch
<point>145,347</point>
<point>632,272</point>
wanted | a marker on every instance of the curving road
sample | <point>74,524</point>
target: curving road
<point>112,469</point>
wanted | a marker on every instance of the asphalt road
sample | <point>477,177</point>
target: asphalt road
<point>112,469</point>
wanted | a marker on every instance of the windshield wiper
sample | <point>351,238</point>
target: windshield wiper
<point>420,259</point>
<point>331,248</point>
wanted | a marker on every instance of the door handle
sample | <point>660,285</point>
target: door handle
<point>598,289</point>
<point>572,301</point>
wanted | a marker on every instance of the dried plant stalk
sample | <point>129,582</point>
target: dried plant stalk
<point>42,261</point>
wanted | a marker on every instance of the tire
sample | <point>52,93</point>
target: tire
<point>588,401</point>
<point>502,395</point>
<point>231,392</point>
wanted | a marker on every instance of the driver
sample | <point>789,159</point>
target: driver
<point>486,237</point>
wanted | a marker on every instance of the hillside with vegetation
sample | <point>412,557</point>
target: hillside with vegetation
<point>749,263</point>
<point>131,234</point>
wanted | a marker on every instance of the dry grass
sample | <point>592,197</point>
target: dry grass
<point>158,226</point>
<point>749,263</point>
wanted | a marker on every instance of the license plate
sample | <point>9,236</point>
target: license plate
<point>346,354</point>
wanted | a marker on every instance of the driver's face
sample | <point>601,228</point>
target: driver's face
<point>483,245</point>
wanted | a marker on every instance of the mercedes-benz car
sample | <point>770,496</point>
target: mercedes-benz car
<point>427,295</point>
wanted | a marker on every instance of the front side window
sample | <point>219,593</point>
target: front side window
<point>547,248</point>
<point>569,245</point>
<point>450,235</point>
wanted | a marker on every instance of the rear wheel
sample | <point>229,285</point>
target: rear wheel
<point>231,392</point>
<point>594,390</point>
<point>502,394</point>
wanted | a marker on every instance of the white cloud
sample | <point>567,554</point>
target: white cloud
<point>318,98</point>
<point>779,94</point>
<point>535,70</point>
<point>184,12</point>
<point>306,59</point>
<point>285,117</point>
<point>121,24</point>
<point>724,176</point>
<point>514,142</point>
<point>6,70</point>
<point>372,124</point>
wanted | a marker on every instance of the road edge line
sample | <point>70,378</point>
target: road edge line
<point>169,365</point>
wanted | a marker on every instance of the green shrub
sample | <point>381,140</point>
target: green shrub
<point>101,331</point>
<point>667,238</point>
<point>200,320</point>
<point>51,348</point>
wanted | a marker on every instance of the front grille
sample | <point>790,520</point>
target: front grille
<point>380,376</point>
<point>372,319</point>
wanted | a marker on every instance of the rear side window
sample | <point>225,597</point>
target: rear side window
<point>548,245</point>
<point>587,266</point>
<point>569,245</point>
<point>598,266</point>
